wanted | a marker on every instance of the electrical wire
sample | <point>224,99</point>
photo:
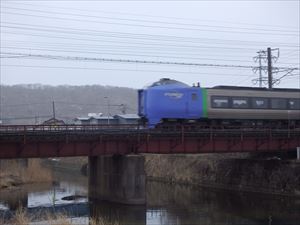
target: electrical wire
<point>125,54</point>
<point>136,35</point>
<point>79,58</point>
<point>123,48</point>
<point>146,26</point>
<point>135,44</point>
<point>122,70</point>
<point>156,16</point>
<point>184,25</point>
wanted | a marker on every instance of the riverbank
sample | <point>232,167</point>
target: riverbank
<point>262,173</point>
<point>167,203</point>
<point>22,218</point>
<point>233,172</point>
<point>13,173</point>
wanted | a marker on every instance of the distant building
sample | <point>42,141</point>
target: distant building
<point>53,121</point>
<point>95,114</point>
<point>103,120</point>
<point>93,119</point>
<point>82,121</point>
<point>127,118</point>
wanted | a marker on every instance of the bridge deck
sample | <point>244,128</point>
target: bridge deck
<point>72,140</point>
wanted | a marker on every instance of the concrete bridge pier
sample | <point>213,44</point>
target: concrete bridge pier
<point>119,179</point>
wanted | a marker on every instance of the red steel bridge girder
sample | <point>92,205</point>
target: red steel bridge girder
<point>218,145</point>
<point>63,141</point>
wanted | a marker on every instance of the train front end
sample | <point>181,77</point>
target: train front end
<point>171,100</point>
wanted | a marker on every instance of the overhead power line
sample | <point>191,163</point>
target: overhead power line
<point>135,44</point>
<point>146,26</point>
<point>156,16</point>
<point>151,21</point>
<point>109,52</point>
<point>140,36</point>
<point>126,49</point>
<point>118,53</point>
<point>125,70</point>
<point>79,58</point>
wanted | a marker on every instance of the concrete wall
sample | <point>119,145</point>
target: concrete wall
<point>117,179</point>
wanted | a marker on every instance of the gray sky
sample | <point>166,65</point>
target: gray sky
<point>211,32</point>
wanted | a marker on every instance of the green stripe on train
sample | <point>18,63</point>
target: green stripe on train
<point>204,102</point>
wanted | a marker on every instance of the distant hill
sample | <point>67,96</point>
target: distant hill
<point>32,103</point>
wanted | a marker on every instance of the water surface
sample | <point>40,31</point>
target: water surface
<point>166,204</point>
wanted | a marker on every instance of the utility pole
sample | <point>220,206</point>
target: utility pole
<point>123,108</point>
<point>270,77</point>
<point>261,79</point>
<point>260,70</point>
<point>268,58</point>
<point>53,109</point>
<point>108,110</point>
<point>0,100</point>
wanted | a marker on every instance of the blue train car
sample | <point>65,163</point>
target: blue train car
<point>171,99</point>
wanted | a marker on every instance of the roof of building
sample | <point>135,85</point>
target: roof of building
<point>82,118</point>
<point>97,117</point>
<point>53,121</point>
<point>95,114</point>
<point>102,117</point>
<point>128,116</point>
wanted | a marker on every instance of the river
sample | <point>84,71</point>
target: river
<point>166,204</point>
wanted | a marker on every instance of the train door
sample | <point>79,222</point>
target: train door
<point>194,104</point>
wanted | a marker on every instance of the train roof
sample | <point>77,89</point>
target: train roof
<point>255,88</point>
<point>168,82</point>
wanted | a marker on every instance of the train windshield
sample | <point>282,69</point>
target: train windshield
<point>167,81</point>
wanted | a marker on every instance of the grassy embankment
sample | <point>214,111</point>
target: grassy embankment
<point>227,171</point>
<point>21,218</point>
<point>13,174</point>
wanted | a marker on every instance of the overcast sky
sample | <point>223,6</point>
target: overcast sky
<point>63,42</point>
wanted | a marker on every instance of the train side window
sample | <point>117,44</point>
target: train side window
<point>278,103</point>
<point>240,103</point>
<point>294,104</point>
<point>260,103</point>
<point>220,102</point>
<point>194,97</point>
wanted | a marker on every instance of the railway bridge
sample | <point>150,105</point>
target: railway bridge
<point>116,166</point>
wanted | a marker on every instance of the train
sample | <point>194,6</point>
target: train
<point>169,101</point>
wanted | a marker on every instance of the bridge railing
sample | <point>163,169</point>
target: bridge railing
<point>41,128</point>
<point>117,128</point>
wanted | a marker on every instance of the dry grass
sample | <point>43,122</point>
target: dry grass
<point>58,220</point>
<point>13,174</point>
<point>21,218</point>
<point>36,173</point>
<point>184,168</point>
<point>102,221</point>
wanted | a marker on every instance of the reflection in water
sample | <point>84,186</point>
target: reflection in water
<point>186,205</point>
<point>166,204</point>
<point>124,214</point>
<point>56,195</point>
